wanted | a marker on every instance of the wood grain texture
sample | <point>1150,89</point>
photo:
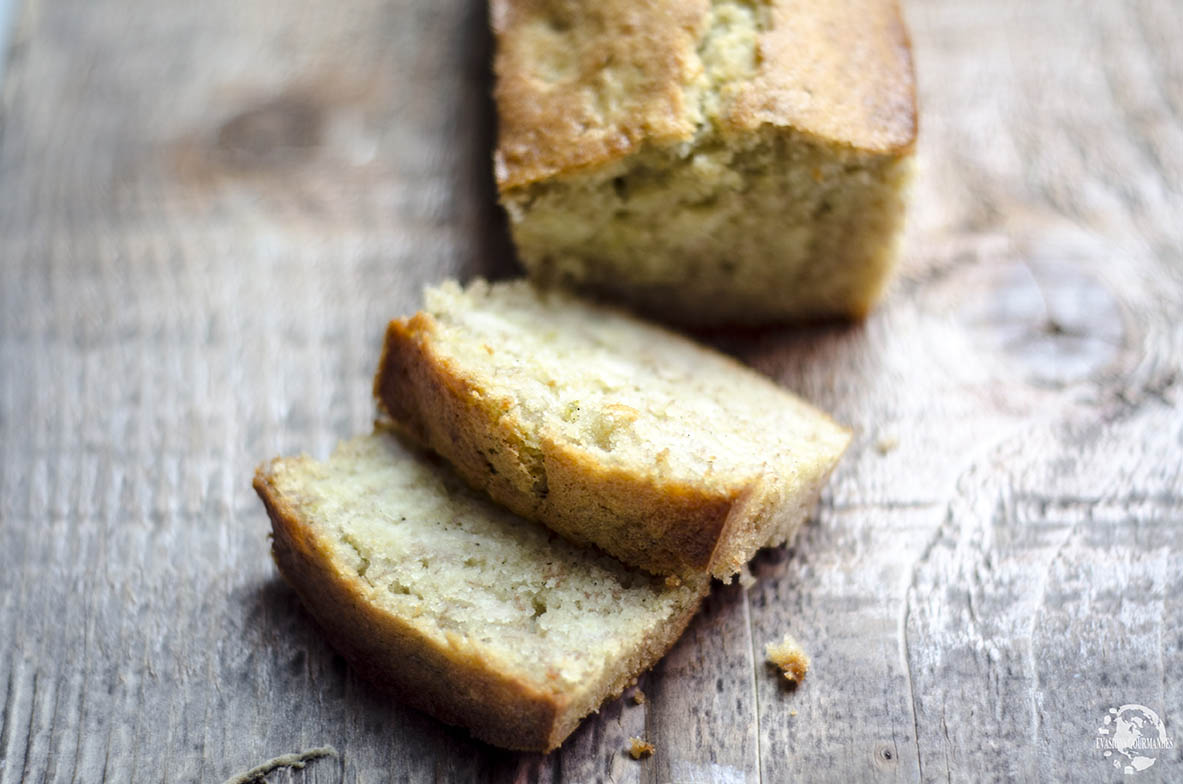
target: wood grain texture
<point>209,210</point>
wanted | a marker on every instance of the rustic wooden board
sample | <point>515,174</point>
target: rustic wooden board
<point>209,210</point>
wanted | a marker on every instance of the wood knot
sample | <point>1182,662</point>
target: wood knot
<point>885,756</point>
<point>1054,320</point>
<point>279,132</point>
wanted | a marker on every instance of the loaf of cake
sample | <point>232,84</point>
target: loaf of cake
<point>666,454</point>
<point>707,161</point>
<point>457,606</point>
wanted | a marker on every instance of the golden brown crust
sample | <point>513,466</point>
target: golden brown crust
<point>451,681</point>
<point>662,527</point>
<point>411,381</point>
<point>556,61</point>
<point>840,70</point>
<point>580,85</point>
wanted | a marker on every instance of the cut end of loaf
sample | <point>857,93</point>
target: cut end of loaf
<point>768,228</point>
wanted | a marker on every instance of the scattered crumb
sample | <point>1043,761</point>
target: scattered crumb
<point>638,748</point>
<point>639,697</point>
<point>792,713</point>
<point>746,580</point>
<point>790,657</point>
<point>673,581</point>
<point>886,443</point>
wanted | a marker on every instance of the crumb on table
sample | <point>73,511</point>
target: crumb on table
<point>639,697</point>
<point>885,443</point>
<point>638,748</point>
<point>790,657</point>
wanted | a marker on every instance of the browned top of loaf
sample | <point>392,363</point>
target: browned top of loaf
<point>581,84</point>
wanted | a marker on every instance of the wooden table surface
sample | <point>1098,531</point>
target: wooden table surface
<point>208,211</point>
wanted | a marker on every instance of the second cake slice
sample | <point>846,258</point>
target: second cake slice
<point>668,455</point>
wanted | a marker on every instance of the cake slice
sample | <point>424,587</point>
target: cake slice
<point>464,610</point>
<point>708,161</point>
<point>668,455</point>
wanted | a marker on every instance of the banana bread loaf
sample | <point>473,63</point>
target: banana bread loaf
<point>708,161</point>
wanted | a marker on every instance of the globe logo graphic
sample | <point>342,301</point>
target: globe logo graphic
<point>1132,737</point>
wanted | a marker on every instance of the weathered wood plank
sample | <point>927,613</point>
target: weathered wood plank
<point>1019,547</point>
<point>207,213</point>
